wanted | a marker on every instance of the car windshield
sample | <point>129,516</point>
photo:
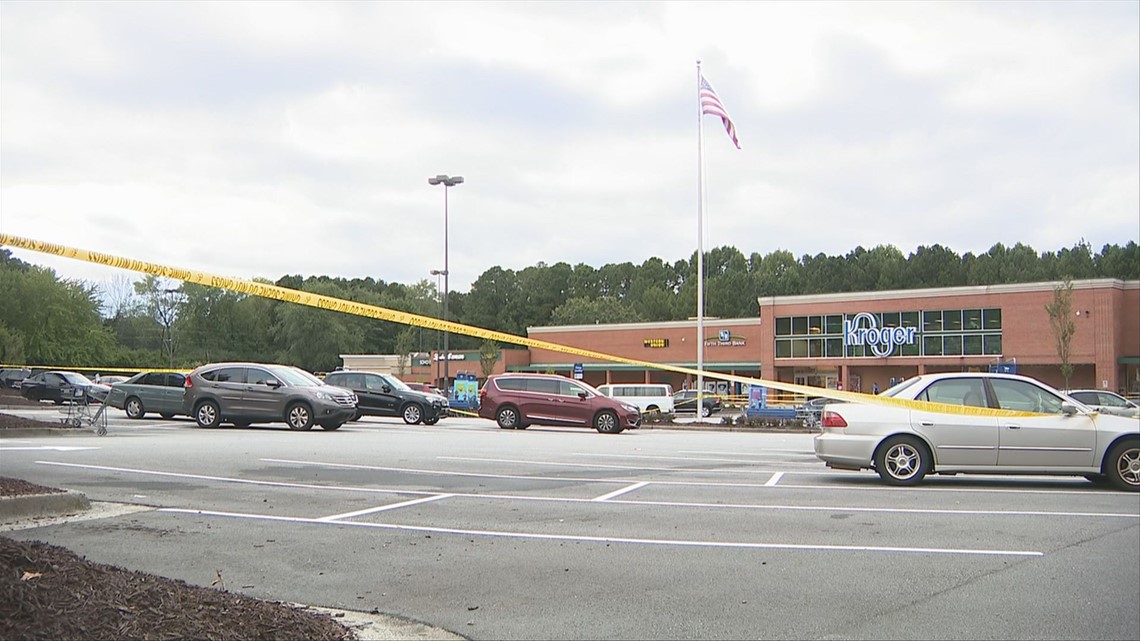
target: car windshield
<point>398,384</point>
<point>75,379</point>
<point>893,391</point>
<point>296,377</point>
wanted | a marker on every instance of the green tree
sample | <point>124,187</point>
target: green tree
<point>489,354</point>
<point>587,311</point>
<point>1060,311</point>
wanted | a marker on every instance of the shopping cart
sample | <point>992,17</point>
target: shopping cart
<point>80,410</point>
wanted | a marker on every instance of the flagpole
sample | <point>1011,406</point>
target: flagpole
<point>700,248</point>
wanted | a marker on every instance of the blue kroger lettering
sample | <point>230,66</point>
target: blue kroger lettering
<point>863,329</point>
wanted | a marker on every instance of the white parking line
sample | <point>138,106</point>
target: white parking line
<point>600,466</point>
<point>384,508</point>
<point>775,479</point>
<point>624,490</point>
<point>815,462</point>
<point>558,499</point>
<point>614,539</point>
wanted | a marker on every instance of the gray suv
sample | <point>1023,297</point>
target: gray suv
<point>247,393</point>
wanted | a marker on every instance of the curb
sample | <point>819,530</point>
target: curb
<point>31,506</point>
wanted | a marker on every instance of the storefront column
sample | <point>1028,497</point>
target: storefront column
<point>844,381</point>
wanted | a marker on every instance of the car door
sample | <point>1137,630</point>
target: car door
<point>1049,440</point>
<point>262,395</point>
<point>574,405</point>
<point>169,392</point>
<point>959,439</point>
<point>387,401</point>
<point>369,390</point>
<point>541,402</point>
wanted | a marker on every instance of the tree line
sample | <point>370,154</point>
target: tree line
<point>153,322</point>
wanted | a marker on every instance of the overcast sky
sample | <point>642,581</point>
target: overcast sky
<point>263,139</point>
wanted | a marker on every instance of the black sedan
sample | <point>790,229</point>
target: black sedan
<point>685,401</point>
<point>60,386</point>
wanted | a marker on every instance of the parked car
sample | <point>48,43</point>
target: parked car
<point>109,380</point>
<point>60,386</point>
<point>1105,402</point>
<point>685,402</point>
<point>517,401</point>
<point>158,392</point>
<point>426,388</point>
<point>247,393</point>
<point>12,377</point>
<point>812,411</point>
<point>380,395</point>
<point>648,397</point>
<point>1049,434</point>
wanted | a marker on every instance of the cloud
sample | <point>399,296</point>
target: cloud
<point>263,139</point>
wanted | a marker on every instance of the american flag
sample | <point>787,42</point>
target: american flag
<point>710,104</point>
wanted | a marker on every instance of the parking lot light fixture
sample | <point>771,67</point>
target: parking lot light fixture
<point>447,182</point>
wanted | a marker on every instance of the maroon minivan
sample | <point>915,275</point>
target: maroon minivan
<point>516,401</point>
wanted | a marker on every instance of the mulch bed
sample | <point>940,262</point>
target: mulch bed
<point>50,593</point>
<point>47,592</point>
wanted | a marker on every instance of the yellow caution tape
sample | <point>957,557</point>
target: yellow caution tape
<point>370,311</point>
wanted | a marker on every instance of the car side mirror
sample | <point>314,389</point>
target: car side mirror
<point>387,389</point>
<point>1068,409</point>
<point>274,383</point>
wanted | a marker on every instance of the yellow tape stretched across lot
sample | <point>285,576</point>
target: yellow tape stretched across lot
<point>370,311</point>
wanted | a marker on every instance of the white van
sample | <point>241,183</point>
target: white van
<point>649,397</point>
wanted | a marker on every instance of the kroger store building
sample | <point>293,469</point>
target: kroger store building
<point>860,341</point>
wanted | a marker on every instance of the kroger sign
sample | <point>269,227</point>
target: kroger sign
<point>863,329</point>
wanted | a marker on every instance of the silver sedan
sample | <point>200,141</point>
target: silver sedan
<point>981,423</point>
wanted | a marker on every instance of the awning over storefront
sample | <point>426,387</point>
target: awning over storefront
<point>1128,360</point>
<point>625,367</point>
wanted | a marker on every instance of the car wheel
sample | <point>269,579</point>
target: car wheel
<point>607,423</point>
<point>207,414</point>
<point>507,417</point>
<point>166,415</point>
<point>413,413</point>
<point>706,411</point>
<point>902,460</point>
<point>330,425</point>
<point>299,417</point>
<point>134,408</point>
<point>1123,466</point>
<point>431,421</point>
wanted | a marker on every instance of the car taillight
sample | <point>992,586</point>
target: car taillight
<point>831,419</point>
<point>189,383</point>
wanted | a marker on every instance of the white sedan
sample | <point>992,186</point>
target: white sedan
<point>1037,430</point>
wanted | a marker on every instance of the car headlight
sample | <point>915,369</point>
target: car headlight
<point>324,396</point>
<point>631,408</point>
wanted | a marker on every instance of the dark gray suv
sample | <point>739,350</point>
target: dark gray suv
<point>247,393</point>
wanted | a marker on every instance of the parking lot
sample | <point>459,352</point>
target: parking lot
<point>571,534</point>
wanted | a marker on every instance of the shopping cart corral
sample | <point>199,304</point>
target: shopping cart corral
<point>82,409</point>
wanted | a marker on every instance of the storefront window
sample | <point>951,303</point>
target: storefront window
<point>784,348</point>
<point>834,347</point>
<point>992,344</point>
<point>952,345</point>
<point>972,344</point>
<point>910,319</point>
<point>972,318</point>
<point>799,348</point>
<point>951,320</point>
<point>932,322</point>
<point>784,326</point>
<point>991,318</point>
<point>815,324</point>
<point>833,324</point>
<point>799,326</point>
<point>932,345</point>
<point>815,347</point>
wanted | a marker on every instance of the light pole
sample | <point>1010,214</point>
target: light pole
<point>447,182</point>
<point>439,301</point>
